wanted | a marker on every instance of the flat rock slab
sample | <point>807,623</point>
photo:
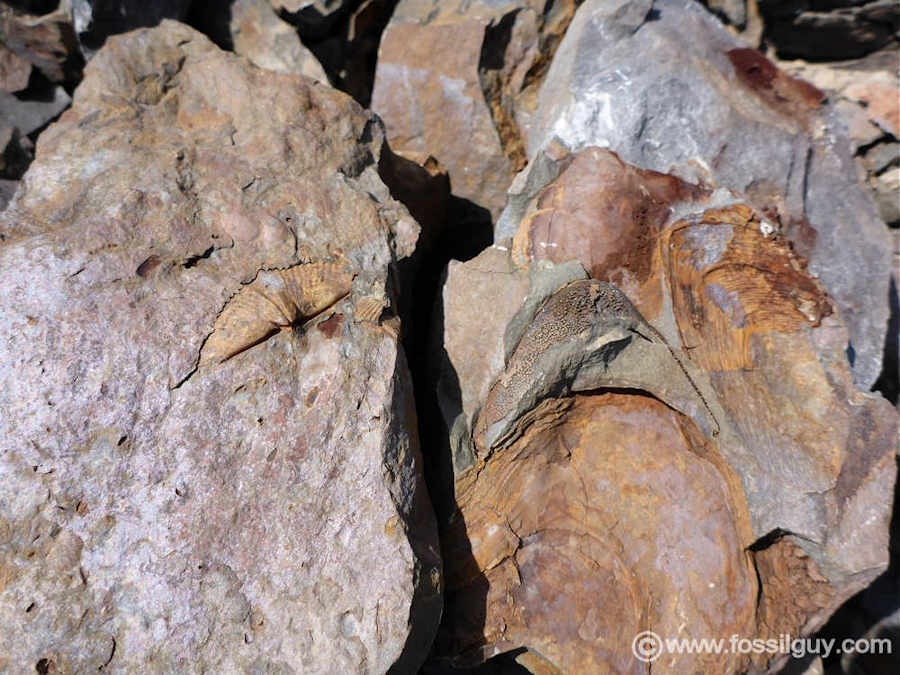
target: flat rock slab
<point>207,455</point>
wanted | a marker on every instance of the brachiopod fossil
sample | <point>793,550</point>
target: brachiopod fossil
<point>273,301</point>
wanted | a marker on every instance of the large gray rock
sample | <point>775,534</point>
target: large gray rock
<point>709,111</point>
<point>208,457</point>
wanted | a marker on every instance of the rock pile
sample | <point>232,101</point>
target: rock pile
<point>376,336</point>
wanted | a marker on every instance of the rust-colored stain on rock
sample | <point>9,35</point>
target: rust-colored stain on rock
<point>728,281</point>
<point>546,549</point>
<point>331,326</point>
<point>788,95</point>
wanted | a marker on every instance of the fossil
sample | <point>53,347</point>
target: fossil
<point>275,300</point>
<point>586,312</point>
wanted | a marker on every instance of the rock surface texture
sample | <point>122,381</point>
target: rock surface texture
<point>710,111</point>
<point>450,77</point>
<point>775,471</point>
<point>589,327</point>
<point>208,456</point>
<point>269,42</point>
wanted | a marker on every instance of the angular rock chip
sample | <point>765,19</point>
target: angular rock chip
<point>269,42</point>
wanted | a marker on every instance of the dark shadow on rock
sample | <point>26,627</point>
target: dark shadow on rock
<point>34,7</point>
<point>213,19</point>
<point>422,534</point>
<point>346,42</point>
<point>452,229</point>
<point>502,664</point>
<point>826,31</point>
<point>111,17</point>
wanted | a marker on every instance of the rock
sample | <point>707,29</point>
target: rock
<point>208,452</point>
<point>559,562</point>
<point>886,187</point>
<point>708,110</point>
<point>28,116</point>
<point>269,42</point>
<point>96,20</point>
<point>860,127</point>
<point>829,31</point>
<point>797,467</point>
<point>14,70</point>
<point>47,42</point>
<point>865,93</point>
<point>450,78</point>
<point>314,17</point>
<point>7,190</point>
<point>428,93</point>
<point>879,96</point>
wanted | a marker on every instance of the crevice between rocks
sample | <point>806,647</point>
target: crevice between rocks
<point>452,229</point>
<point>497,69</point>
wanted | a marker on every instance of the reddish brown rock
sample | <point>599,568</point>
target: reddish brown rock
<point>606,520</point>
<point>799,448</point>
<point>602,212</point>
<point>14,70</point>
<point>441,110</point>
<point>710,111</point>
<point>453,78</point>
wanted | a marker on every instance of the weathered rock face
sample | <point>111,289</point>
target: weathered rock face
<point>866,92</point>
<point>451,78</point>
<point>617,452</point>
<point>710,111</point>
<point>557,561</point>
<point>269,42</point>
<point>208,458</point>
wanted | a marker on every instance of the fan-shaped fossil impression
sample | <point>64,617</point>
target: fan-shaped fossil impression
<point>273,301</point>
